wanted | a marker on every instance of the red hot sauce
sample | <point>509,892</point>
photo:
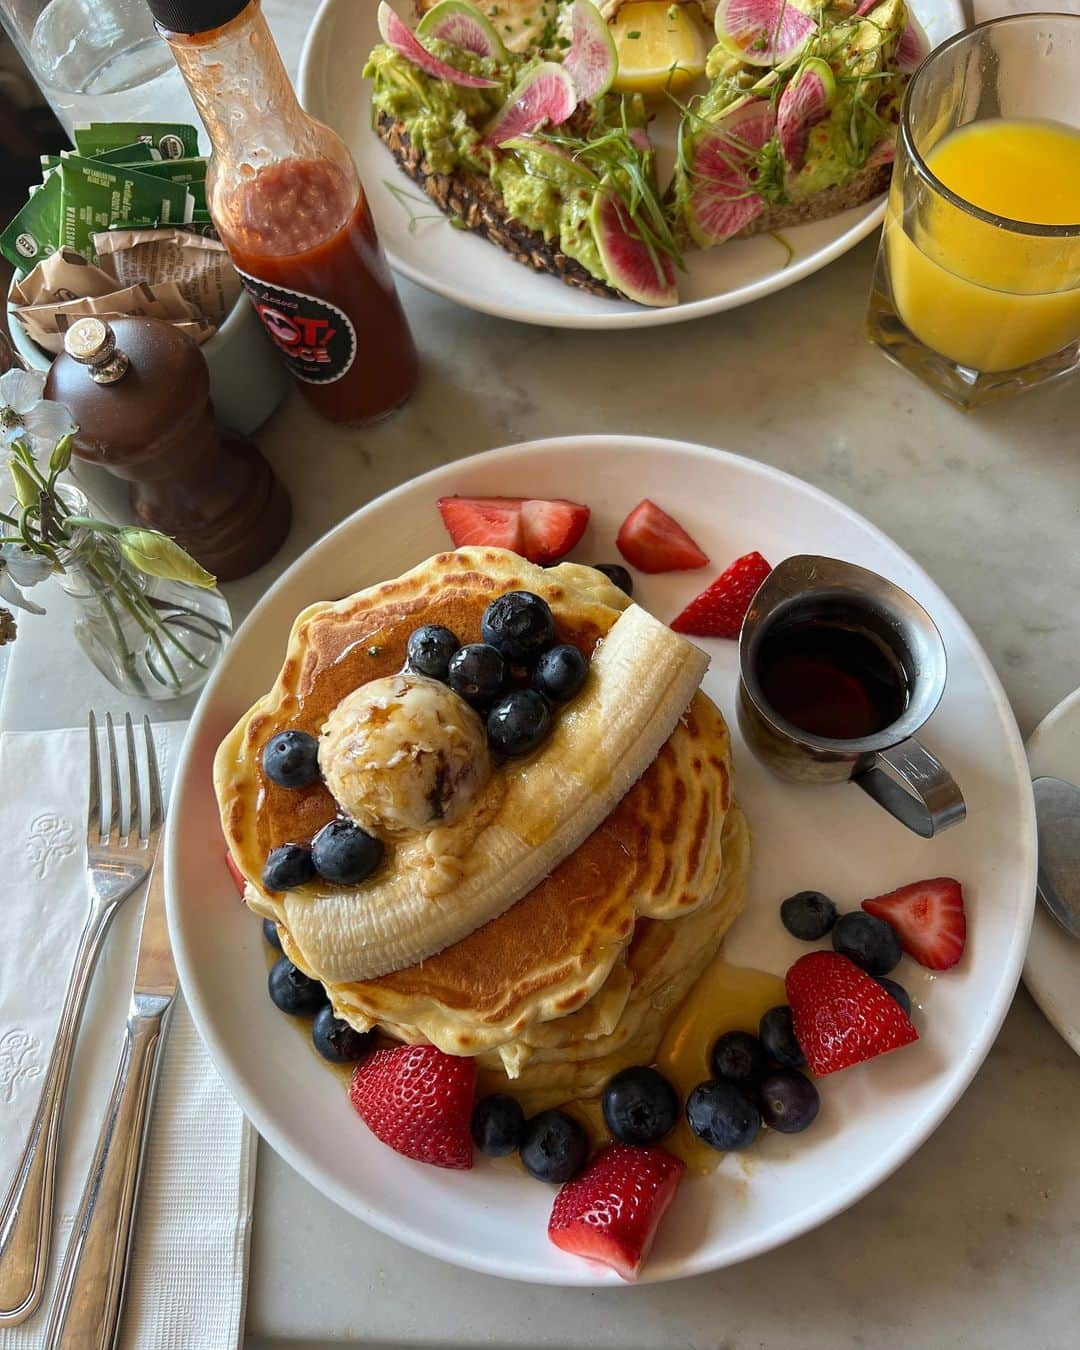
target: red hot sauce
<point>286,199</point>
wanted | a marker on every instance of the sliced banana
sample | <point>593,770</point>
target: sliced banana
<point>440,887</point>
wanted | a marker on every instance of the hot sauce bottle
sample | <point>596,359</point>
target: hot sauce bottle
<point>287,202</point>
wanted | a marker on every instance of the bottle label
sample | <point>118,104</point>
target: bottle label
<point>316,338</point>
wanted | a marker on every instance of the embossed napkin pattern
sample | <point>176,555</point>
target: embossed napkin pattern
<point>189,1263</point>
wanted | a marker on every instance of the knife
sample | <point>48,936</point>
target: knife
<point>90,1289</point>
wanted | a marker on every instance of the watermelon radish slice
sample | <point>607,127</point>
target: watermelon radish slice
<point>865,6</point>
<point>913,48</point>
<point>463,26</point>
<point>397,36</point>
<point>882,153</point>
<point>722,197</point>
<point>641,275</point>
<point>763,32</point>
<point>639,139</point>
<point>592,61</point>
<point>555,155</point>
<point>545,94</point>
<point>805,101</point>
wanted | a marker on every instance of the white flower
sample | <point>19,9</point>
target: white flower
<point>11,593</point>
<point>23,565</point>
<point>26,416</point>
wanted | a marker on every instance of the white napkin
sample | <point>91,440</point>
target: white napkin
<point>188,1273</point>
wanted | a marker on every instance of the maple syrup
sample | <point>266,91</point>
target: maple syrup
<point>832,679</point>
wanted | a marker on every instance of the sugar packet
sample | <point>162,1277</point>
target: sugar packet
<point>172,140</point>
<point>94,195</point>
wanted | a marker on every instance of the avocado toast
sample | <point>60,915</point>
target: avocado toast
<point>531,150</point>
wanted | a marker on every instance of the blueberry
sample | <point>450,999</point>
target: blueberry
<point>868,941</point>
<point>554,1146</point>
<point>723,1115</point>
<point>497,1124</point>
<point>617,574</point>
<point>345,853</point>
<point>288,867</point>
<point>778,1038</point>
<point>808,915</point>
<point>430,649</point>
<point>896,991</point>
<point>271,934</point>
<point>520,625</point>
<point>292,991</point>
<point>335,1040</point>
<point>560,673</point>
<point>640,1106</point>
<point>738,1057</point>
<point>478,673</point>
<point>518,722</point>
<point>291,759</point>
<point>789,1101</point>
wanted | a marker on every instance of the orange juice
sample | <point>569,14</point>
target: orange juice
<point>986,297</point>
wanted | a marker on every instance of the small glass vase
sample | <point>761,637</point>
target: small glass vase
<point>149,637</point>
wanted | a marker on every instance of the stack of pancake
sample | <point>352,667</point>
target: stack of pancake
<point>580,975</point>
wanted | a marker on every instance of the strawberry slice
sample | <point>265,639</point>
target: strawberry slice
<point>551,528</point>
<point>419,1101</point>
<point>488,522</point>
<point>652,542</point>
<point>610,1212</point>
<point>720,609</point>
<point>841,1016</point>
<point>929,920</point>
<point>238,877</point>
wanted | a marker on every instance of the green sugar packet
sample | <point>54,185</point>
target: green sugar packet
<point>95,195</point>
<point>139,155</point>
<point>35,231</point>
<point>191,172</point>
<point>172,140</point>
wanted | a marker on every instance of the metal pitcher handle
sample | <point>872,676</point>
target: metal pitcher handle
<point>915,787</point>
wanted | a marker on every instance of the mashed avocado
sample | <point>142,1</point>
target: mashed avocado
<point>549,194</point>
<point>861,53</point>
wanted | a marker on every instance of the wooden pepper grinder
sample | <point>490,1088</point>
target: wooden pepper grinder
<point>139,392</point>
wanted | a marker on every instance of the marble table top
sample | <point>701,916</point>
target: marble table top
<point>974,1243</point>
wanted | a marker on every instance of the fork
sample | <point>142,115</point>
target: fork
<point>119,852</point>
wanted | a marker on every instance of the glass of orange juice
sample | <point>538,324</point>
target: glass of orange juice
<point>977,283</point>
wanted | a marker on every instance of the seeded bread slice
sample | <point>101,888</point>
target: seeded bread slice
<point>476,200</point>
<point>870,182</point>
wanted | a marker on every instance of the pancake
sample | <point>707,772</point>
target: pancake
<point>642,677</point>
<point>664,961</point>
<point>659,854</point>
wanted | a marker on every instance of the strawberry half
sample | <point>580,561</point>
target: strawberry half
<point>487,522</point>
<point>551,528</point>
<point>419,1101</point>
<point>841,1016</point>
<point>720,609</point>
<point>929,920</point>
<point>238,877</point>
<point>652,542</point>
<point>610,1212</point>
<point>541,530</point>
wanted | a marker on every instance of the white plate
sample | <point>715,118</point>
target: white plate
<point>1052,968</point>
<point>463,267</point>
<point>833,838</point>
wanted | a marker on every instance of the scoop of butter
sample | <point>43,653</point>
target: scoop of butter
<point>404,753</point>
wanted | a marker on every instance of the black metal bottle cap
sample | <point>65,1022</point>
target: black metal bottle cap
<point>194,16</point>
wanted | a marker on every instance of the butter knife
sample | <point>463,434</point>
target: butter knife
<point>90,1290</point>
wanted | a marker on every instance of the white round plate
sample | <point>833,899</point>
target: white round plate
<point>834,839</point>
<point>422,246</point>
<point>1052,968</point>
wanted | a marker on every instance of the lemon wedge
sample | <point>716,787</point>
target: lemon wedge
<point>660,46</point>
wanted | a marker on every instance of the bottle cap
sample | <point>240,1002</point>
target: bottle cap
<point>195,16</point>
<point>92,343</point>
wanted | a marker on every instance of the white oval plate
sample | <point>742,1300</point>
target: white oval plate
<point>1052,968</point>
<point>835,839</point>
<point>422,246</point>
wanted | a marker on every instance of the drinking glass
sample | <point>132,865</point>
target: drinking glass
<point>975,304</point>
<point>98,60</point>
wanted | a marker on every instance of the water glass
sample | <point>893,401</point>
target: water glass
<point>978,304</point>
